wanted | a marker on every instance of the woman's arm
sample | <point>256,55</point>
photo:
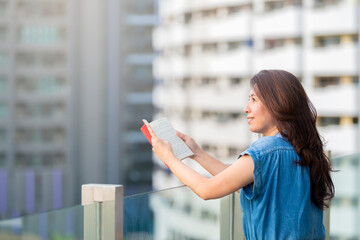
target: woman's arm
<point>211,164</point>
<point>228,180</point>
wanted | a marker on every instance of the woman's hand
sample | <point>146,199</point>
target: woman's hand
<point>160,147</point>
<point>191,144</point>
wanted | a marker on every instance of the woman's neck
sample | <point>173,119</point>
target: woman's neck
<point>272,132</point>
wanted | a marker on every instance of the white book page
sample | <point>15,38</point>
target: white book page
<point>164,130</point>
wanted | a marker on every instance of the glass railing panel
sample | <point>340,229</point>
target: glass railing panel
<point>175,213</point>
<point>64,224</point>
<point>345,206</point>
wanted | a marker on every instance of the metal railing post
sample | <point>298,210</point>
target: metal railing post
<point>103,211</point>
<point>230,218</point>
<point>326,222</point>
<point>326,212</point>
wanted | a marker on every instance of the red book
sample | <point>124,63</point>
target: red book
<point>145,131</point>
<point>164,130</point>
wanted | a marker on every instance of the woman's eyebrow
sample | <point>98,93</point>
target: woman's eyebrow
<point>252,95</point>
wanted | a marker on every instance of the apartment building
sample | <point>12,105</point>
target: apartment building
<point>75,81</point>
<point>210,49</point>
<point>140,20</point>
<point>35,100</point>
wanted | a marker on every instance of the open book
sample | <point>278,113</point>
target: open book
<point>164,130</point>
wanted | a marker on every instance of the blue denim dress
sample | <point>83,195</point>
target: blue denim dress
<point>277,205</point>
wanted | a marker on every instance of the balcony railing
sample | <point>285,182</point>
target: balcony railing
<point>175,213</point>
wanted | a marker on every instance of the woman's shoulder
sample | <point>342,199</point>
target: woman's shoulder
<point>270,143</point>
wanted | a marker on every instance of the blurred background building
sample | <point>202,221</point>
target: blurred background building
<point>76,78</point>
<point>75,81</point>
<point>210,49</point>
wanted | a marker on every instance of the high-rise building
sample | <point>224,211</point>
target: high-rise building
<point>140,20</point>
<point>210,49</point>
<point>36,85</point>
<point>75,81</point>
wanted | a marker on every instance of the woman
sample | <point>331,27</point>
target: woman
<point>284,176</point>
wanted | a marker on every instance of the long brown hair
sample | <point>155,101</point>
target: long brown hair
<point>282,93</point>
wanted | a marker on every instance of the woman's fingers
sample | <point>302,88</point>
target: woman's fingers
<point>182,136</point>
<point>152,133</point>
<point>154,138</point>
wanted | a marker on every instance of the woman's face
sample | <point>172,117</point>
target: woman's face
<point>259,117</point>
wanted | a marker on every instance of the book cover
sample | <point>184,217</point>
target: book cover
<point>164,130</point>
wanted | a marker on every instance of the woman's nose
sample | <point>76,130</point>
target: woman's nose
<point>246,109</point>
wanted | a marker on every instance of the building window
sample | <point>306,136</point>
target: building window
<point>41,9</point>
<point>55,59</point>
<point>186,82</point>
<point>206,147</point>
<point>3,9</point>
<point>234,116</point>
<point>326,81</point>
<point>53,159</point>
<point>2,135</point>
<point>320,82</point>
<point>274,5</point>
<point>209,47</point>
<point>237,9</point>
<point>40,85</point>
<point>208,81</point>
<point>51,9</point>
<point>234,45</point>
<point>205,214</point>
<point>282,42</point>
<point>3,84</point>
<point>41,34</point>
<point>355,38</point>
<point>324,41</point>
<point>28,160</point>
<point>38,135</point>
<point>233,151</point>
<point>3,34</point>
<point>211,13</point>
<point>235,81</point>
<point>141,6</point>
<point>187,18</point>
<point>355,120</point>
<point>206,114</point>
<point>140,39</point>
<point>25,59</point>
<point>3,60</point>
<point>2,160</point>
<point>44,60</point>
<point>234,10</point>
<point>49,85</point>
<point>187,50</point>
<point>141,72</point>
<point>3,111</point>
<point>345,202</point>
<point>325,3</point>
<point>274,43</point>
<point>328,121</point>
<point>40,111</point>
